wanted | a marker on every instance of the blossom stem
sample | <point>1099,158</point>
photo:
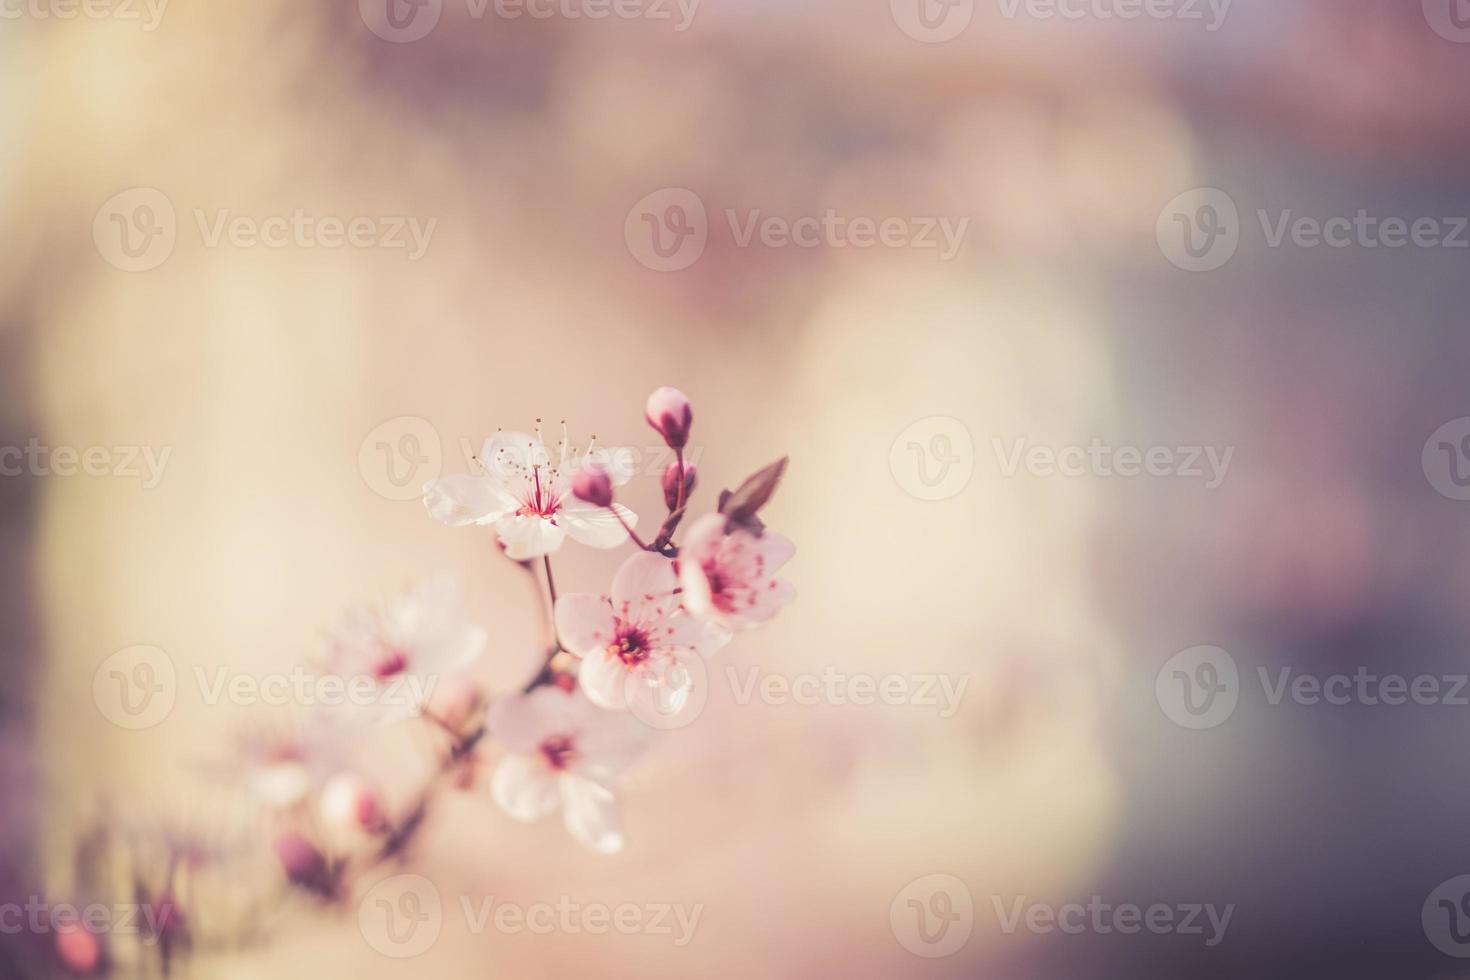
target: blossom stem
<point>631,533</point>
<point>550,582</point>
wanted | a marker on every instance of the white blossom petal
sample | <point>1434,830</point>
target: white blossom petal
<point>594,526</point>
<point>591,814</point>
<point>461,500</point>
<point>602,677</point>
<point>527,536</point>
<point>524,787</point>
<point>585,623</point>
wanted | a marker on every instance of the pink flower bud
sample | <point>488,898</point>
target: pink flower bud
<point>349,803</point>
<point>593,485</point>
<point>80,951</point>
<point>671,484</point>
<point>669,413</point>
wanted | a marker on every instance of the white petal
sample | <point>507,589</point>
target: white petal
<point>602,677</point>
<point>591,814</point>
<point>524,787</point>
<point>696,596</point>
<point>461,500</point>
<point>527,536</point>
<point>595,526</point>
<point>521,721</point>
<point>509,456</point>
<point>644,583</point>
<point>584,622</point>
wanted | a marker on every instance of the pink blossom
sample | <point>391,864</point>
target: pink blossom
<point>727,574</point>
<point>635,645</point>
<point>400,649</point>
<point>564,753</point>
<point>527,496</point>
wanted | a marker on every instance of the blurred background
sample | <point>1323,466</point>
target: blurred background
<point>593,199</point>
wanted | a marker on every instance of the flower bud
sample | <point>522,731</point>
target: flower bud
<point>671,483</point>
<point>349,803</point>
<point>593,485</point>
<point>669,413</point>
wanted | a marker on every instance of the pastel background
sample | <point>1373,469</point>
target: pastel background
<point>266,371</point>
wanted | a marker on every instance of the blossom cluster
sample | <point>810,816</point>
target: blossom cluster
<point>619,665</point>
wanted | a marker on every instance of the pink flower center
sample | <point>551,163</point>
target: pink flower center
<point>539,500</point>
<point>559,751</point>
<point>631,647</point>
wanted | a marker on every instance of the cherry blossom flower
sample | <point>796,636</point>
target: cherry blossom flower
<point>727,573</point>
<point>527,496</point>
<point>564,752</point>
<point>394,653</point>
<point>636,645</point>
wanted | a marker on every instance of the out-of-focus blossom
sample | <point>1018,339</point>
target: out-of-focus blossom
<point>392,654</point>
<point>349,804</point>
<point>728,573</point>
<point>527,496</point>
<point>564,752</point>
<point>79,950</point>
<point>635,645</point>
